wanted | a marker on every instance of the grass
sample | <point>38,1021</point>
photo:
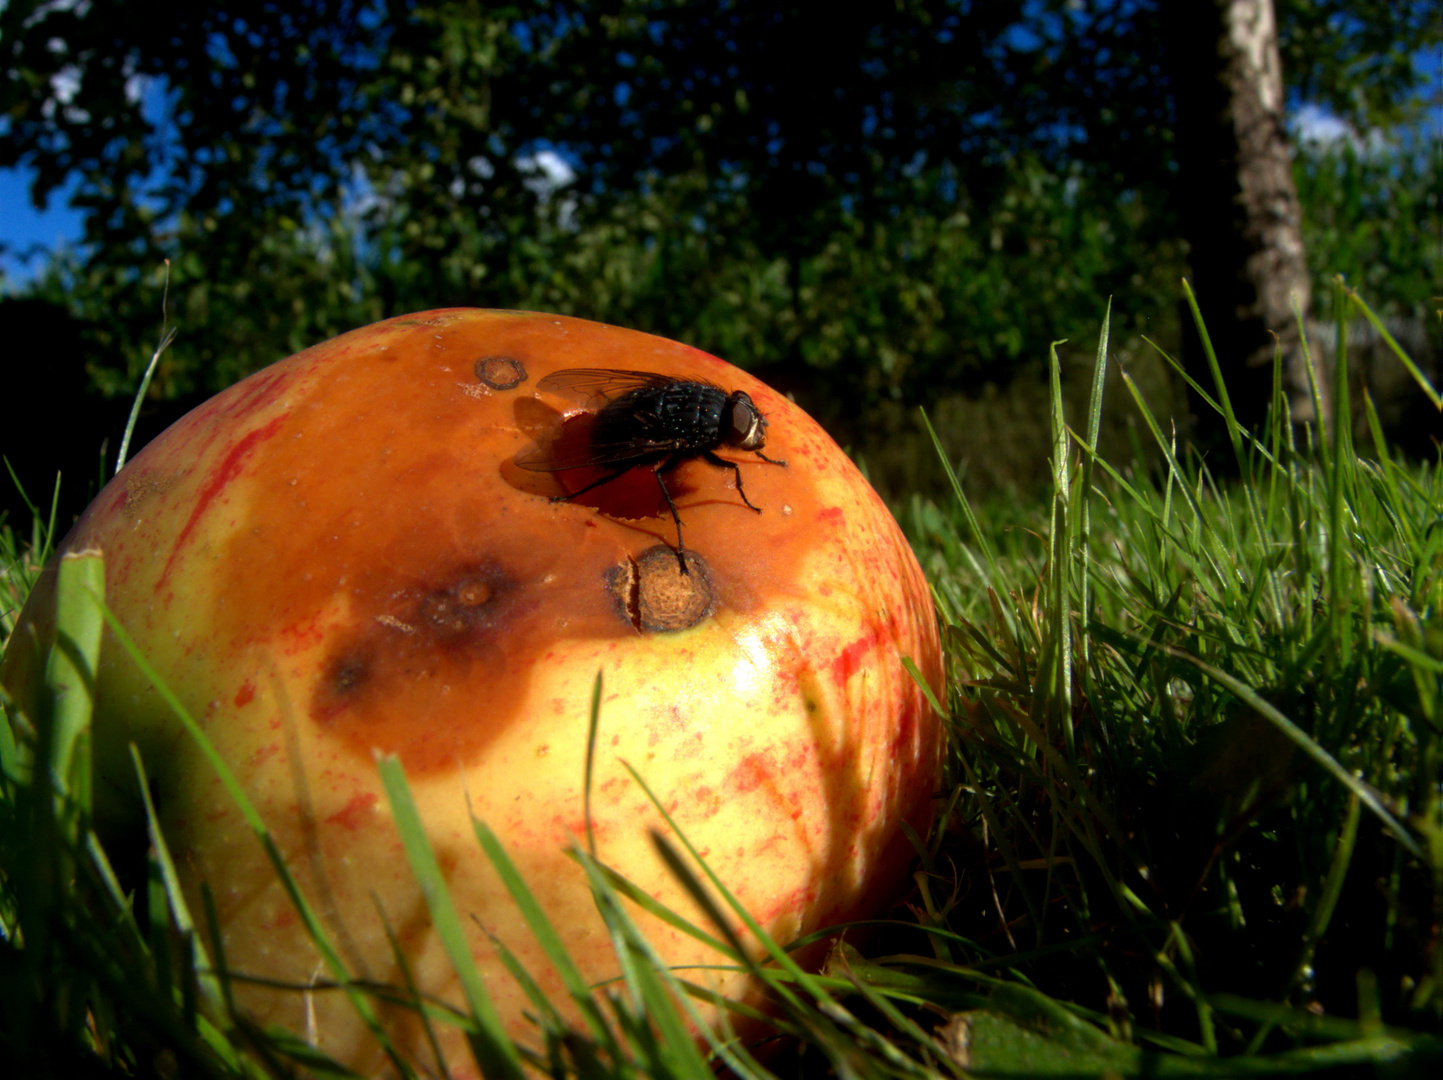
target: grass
<point>1193,823</point>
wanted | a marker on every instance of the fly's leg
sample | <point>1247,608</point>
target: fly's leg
<point>671,463</point>
<point>591,486</point>
<point>723,463</point>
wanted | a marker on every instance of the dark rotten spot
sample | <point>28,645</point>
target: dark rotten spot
<point>414,643</point>
<point>655,596</point>
<point>345,674</point>
<point>500,372</point>
<point>454,609</point>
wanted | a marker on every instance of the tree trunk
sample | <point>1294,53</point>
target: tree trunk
<point>1237,204</point>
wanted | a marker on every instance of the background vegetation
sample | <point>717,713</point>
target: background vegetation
<point>914,213</point>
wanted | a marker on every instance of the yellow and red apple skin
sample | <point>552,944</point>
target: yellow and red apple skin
<point>337,558</point>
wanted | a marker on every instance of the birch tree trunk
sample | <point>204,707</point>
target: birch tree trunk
<point>1237,203</point>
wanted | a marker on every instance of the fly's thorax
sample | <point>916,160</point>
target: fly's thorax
<point>743,425</point>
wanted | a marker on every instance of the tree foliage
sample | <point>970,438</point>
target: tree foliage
<point>1377,219</point>
<point>888,197</point>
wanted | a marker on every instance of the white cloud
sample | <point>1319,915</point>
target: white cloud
<point>549,171</point>
<point>1315,124</point>
<point>1315,128</point>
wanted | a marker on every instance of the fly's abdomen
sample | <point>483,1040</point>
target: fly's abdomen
<point>684,415</point>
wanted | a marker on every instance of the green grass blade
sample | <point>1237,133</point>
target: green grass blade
<point>1365,793</point>
<point>416,1002</point>
<point>541,927</point>
<point>70,672</point>
<point>1057,693</point>
<point>593,726</point>
<point>1418,377</point>
<point>657,909</point>
<point>979,535</point>
<point>228,780</point>
<point>1219,383</point>
<point>1084,501</point>
<point>173,895</point>
<point>647,973</point>
<point>495,1052</point>
<point>167,336</point>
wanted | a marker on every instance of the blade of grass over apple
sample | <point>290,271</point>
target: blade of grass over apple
<point>703,898</point>
<point>495,1053</point>
<point>826,1019</point>
<point>308,916</point>
<point>545,933</point>
<point>647,1013</point>
<point>551,1026</point>
<point>655,988</point>
<point>541,928</point>
<point>170,901</point>
<point>53,775</point>
<point>119,970</point>
<point>415,1001</point>
<point>70,680</point>
<point>656,909</point>
<point>593,725</point>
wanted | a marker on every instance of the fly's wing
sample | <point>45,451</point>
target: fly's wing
<point>596,386</point>
<point>565,452</point>
<point>583,441</point>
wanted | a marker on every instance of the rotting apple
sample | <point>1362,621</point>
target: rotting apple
<point>338,556</point>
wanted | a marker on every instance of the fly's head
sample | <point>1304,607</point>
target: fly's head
<point>743,424</point>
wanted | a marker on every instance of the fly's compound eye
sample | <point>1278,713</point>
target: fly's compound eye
<point>748,427</point>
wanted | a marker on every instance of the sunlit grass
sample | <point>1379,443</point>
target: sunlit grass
<point>1193,824</point>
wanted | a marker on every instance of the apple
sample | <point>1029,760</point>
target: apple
<point>339,557</point>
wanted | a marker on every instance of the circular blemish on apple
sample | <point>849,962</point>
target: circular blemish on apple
<point>654,595</point>
<point>460,607</point>
<point>346,674</point>
<point>500,372</point>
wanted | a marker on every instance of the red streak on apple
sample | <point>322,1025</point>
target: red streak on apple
<point>228,470</point>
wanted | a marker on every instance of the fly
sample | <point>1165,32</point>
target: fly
<point>652,420</point>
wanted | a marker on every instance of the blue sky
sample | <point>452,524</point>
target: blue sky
<point>22,225</point>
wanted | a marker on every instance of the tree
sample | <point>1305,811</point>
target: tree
<point>942,186</point>
<point>1237,205</point>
